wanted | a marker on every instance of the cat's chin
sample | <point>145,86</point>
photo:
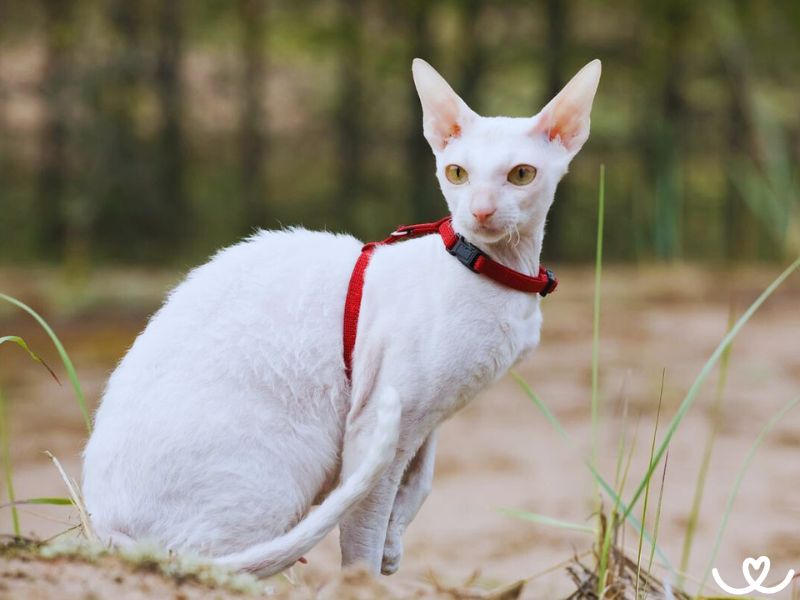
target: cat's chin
<point>486,235</point>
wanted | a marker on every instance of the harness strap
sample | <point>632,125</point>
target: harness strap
<point>352,307</point>
<point>467,253</point>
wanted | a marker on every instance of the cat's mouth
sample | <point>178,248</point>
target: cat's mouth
<point>487,232</point>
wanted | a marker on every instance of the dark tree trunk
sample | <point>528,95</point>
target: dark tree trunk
<point>738,221</point>
<point>53,170</point>
<point>127,223</point>
<point>669,134</point>
<point>350,146</point>
<point>664,125</point>
<point>425,200</point>
<point>170,167</point>
<point>253,141</point>
<point>556,15</point>
<point>743,233</point>
<point>473,52</point>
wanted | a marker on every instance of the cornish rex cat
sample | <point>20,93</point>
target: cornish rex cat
<point>232,415</point>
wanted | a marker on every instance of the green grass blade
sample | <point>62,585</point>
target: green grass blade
<point>626,470</point>
<point>5,445</point>
<point>691,395</point>
<point>68,366</point>
<point>545,520</point>
<point>543,408</point>
<point>621,446</point>
<point>647,488</point>
<point>657,526</point>
<point>702,474</point>
<point>15,339</point>
<point>738,482</point>
<point>598,271</point>
<point>52,501</point>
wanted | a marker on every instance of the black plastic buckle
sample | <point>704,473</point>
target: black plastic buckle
<point>551,283</point>
<point>465,252</point>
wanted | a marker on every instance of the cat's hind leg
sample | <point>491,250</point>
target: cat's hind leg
<point>363,531</point>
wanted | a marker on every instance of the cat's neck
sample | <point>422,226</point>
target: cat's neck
<point>519,252</point>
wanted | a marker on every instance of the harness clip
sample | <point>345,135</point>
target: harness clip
<point>552,282</point>
<point>465,252</point>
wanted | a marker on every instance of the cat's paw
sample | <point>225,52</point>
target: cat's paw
<point>392,554</point>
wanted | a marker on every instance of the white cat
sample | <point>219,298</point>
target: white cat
<point>231,415</point>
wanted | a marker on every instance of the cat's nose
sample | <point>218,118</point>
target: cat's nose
<point>483,214</point>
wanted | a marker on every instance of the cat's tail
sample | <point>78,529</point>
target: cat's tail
<point>282,552</point>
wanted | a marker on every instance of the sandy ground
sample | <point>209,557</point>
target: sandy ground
<point>500,451</point>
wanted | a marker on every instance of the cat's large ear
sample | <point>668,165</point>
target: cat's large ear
<point>566,117</point>
<point>444,114</point>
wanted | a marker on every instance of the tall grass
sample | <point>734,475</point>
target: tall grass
<point>5,442</point>
<point>622,511</point>
<point>598,274</point>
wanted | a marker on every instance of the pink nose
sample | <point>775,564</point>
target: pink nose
<point>484,214</point>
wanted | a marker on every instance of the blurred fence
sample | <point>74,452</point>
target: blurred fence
<point>157,131</point>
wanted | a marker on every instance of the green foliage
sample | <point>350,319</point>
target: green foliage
<point>164,132</point>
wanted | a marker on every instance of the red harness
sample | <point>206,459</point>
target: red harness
<point>468,254</point>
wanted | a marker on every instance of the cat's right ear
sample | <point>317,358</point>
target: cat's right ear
<point>444,114</point>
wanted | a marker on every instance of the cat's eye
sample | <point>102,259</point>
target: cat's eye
<point>522,174</point>
<point>456,174</point>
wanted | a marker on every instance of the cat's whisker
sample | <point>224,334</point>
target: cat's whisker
<point>513,233</point>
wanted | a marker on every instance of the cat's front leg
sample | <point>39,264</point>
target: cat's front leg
<point>414,488</point>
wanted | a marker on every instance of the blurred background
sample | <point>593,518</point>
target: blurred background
<point>141,131</point>
<point>139,136</point>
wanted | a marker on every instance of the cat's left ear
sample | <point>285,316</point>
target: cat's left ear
<point>566,117</point>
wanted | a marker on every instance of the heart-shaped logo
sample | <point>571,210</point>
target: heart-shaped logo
<point>759,566</point>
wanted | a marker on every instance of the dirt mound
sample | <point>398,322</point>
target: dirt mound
<point>74,571</point>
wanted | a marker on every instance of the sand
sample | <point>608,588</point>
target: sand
<point>499,452</point>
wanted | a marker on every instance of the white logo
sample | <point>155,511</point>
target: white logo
<point>749,566</point>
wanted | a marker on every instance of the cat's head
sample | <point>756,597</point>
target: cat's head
<point>499,174</point>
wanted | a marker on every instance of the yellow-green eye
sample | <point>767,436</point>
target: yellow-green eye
<point>522,174</point>
<point>456,175</point>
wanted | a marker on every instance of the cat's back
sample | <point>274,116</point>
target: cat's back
<point>236,383</point>
<point>260,314</point>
